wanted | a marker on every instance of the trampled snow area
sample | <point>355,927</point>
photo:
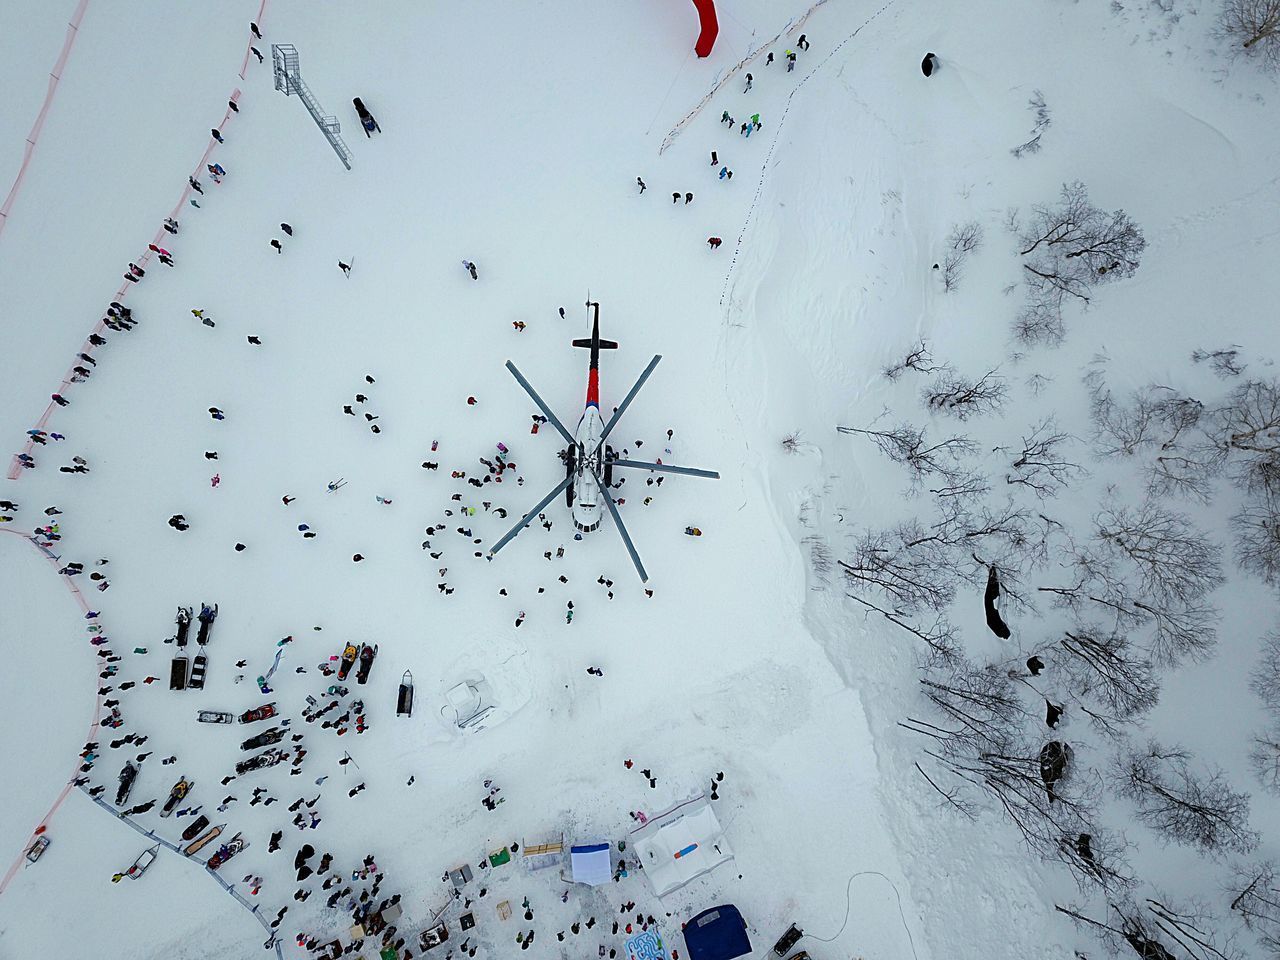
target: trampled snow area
<point>512,136</point>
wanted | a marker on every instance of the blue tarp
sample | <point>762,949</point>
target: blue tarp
<point>717,934</point>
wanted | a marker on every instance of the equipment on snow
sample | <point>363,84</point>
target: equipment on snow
<point>367,653</point>
<point>178,673</point>
<point>788,940</point>
<point>264,739</point>
<point>37,849</point>
<point>192,831</point>
<point>348,658</point>
<point>179,791</point>
<point>227,851</point>
<point>184,625</point>
<point>214,716</point>
<point>264,712</point>
<point>208,614</point>
<point>404,702</point>
<point>127,776</point>
<point>261,761</point>
<point>145,859</point>
<point>366,118</point>
<point>195,846</point>
<point>198,666</point>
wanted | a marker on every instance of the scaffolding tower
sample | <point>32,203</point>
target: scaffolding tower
<point>284,62</point>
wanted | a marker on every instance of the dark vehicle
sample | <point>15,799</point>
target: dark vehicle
<point>198,665</point>
<point>194,830</point>
<point>178,673</point>
<point>264,739</point>
<point>261,761</point>
<point>227,851</point>
<point>404,702</point>
<point>367,653</point>
<point>184,625</point>
<point>348,659</point>
<point>366,118</point>
<point>788,940</point>
<point>127,776</point>
<point>179,791</point>
<point>264,712</point>
<point>208,614</point>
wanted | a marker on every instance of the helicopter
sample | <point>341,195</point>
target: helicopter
<point>589,461</point>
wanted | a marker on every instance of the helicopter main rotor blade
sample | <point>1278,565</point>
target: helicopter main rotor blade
<point>622,528</point>
<point>667,468</point>
<point>546,411</point>
<point>622,407</point>
<point>528,517</point>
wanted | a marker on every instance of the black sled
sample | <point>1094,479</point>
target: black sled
<point>366,118</point>
<point>404,702</point>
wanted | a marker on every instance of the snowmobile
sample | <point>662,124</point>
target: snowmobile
<point>787,940</point>
<point>179,791</point>
<point>367,653</point>
<point>208,614</point>
<point>214,716</point>
<point>127,776</point>
<point>184,625</point>
<point>264,712</point>
<point>227,851</point>
<point>261,761</point>
<point>264,739</point>
<point>348,658</point>
<point>366,118</point>
<point>195,846</point>
<point>404,702</point>
<point>192,831</point>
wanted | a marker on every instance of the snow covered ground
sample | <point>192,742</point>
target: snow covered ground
<point>512,136</point>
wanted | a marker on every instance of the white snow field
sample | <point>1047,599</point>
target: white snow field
<point>512,136</point>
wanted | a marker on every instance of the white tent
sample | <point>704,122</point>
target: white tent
<point>679,844</point>
<point>590,864</point>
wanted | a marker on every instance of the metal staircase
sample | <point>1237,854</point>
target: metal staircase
<point>288,75</point>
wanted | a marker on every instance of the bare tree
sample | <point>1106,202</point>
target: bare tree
<point>1256,900</point>
<point>1039,321</point>
<point>1119,429</point>
<point>904,564</point>
<point>1101,667</point>
<point>1253,29</point>
<point>1247,428</point>
<point>1265,678</point>
<point>962,241</point>
<point>1224,362</point>
<point>1074,245</point>
<point>963,397</point>
<point>918,358</point>
<point>1195,811</point>
<point>1146,928</point>
<point>979,706</point>
<point>906,444</point>
<point>1041,111</point>
<point>1175,561</point>
<point>1041,466</point>
<point>1264,759</point>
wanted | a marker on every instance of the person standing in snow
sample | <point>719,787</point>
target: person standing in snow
<point>770,59</point>
<point>287,229</point>
<point>748,87</point>
<point>471,269</point>
<point>803,42</point>
<point>216,135</point>
<point>724,172</point>
<point>345,268</point>
<point>714,242</point>
<point>195,185</point>
<point>688,198</point>
<point>277,245</point>
<point>714,159</point>
<point>641,184</point>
